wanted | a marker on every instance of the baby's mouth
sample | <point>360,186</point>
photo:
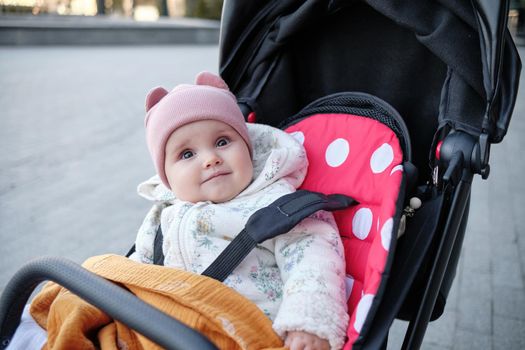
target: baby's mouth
<point>216,175</point>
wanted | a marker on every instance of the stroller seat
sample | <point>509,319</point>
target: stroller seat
<point>360,157</point>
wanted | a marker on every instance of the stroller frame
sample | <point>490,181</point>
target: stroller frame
<point>465,108</point>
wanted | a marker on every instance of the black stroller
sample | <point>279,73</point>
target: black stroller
<point>441,75</point>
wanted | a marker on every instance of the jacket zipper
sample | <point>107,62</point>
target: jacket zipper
<point>182,240</point>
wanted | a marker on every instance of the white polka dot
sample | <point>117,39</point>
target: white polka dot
<point>362,223</point>
<point>381,158</point>
<point>396,168</point>
<point>299,136</point>
<point>337,152</point>
<point>349,282</point>
<point>362,311</point>
<point>386,233</point>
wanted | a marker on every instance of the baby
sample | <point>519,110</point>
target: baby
<point>214,171</point>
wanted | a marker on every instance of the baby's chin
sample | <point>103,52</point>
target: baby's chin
<point>223,197</point>
<point>214,194</point>
<point>217,198</point>
<point>220,196</point>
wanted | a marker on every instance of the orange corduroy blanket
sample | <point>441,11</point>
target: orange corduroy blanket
<point>228,319</point>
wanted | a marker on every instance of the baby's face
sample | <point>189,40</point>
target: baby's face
<point>207,160</point>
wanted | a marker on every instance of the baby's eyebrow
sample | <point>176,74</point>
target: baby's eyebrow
<point>178,146</point>
<point>221,130</point>
<point>226,131</point>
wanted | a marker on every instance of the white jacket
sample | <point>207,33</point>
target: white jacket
<point>296,279</point>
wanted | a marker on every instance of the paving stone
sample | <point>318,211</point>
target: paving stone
<point>521,245</point>
<point>509,334</point>
<point>519,222</point>
<point>509,302</point>
<point>440,332</point>
<point>507,273</point>
<point>475,314</point>
<point>502,226</point>
<point>469,340</point>
<point>475,286</point>
<point>431,346</point>
<point>477,250</point>
<point>505,251</point>
<point>479,218</point>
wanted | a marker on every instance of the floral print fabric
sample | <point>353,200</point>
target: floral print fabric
<point>296,279</point>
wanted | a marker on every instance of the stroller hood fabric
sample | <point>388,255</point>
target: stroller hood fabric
<point>478,59</point>
<point>425,58</point>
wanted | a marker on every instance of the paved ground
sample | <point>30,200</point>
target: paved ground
<point>72,152</point>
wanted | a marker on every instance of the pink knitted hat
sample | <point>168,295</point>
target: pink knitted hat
<point>208,99</point>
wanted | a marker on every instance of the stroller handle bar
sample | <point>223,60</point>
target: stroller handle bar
<point>115,301</point>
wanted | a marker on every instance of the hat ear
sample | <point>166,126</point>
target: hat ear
<point>210,79</point>
<point>154,96</point>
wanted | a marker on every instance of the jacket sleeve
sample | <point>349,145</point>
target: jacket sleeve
<point>145,240</point>
<point>312,265</point>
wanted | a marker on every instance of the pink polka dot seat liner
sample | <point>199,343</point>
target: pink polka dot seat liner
<point>362,158</point>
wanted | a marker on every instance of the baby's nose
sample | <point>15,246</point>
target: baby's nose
<point>213,160</point>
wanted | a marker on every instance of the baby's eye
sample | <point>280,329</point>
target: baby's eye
<point>186,154</point>
<point>223,141</point>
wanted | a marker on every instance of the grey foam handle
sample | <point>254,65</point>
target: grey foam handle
<point>112,299</point>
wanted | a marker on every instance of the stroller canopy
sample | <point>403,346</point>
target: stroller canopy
<point>443,62</point>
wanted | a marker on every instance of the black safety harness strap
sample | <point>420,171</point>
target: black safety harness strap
<point>158,255</point>
<point>231,257</point>
<point>277,218</point>
<point>158,259</point>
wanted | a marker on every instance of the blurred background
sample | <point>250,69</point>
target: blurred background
<point>136,9</point>
<point>109,22</point>
<point>516,19</point>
